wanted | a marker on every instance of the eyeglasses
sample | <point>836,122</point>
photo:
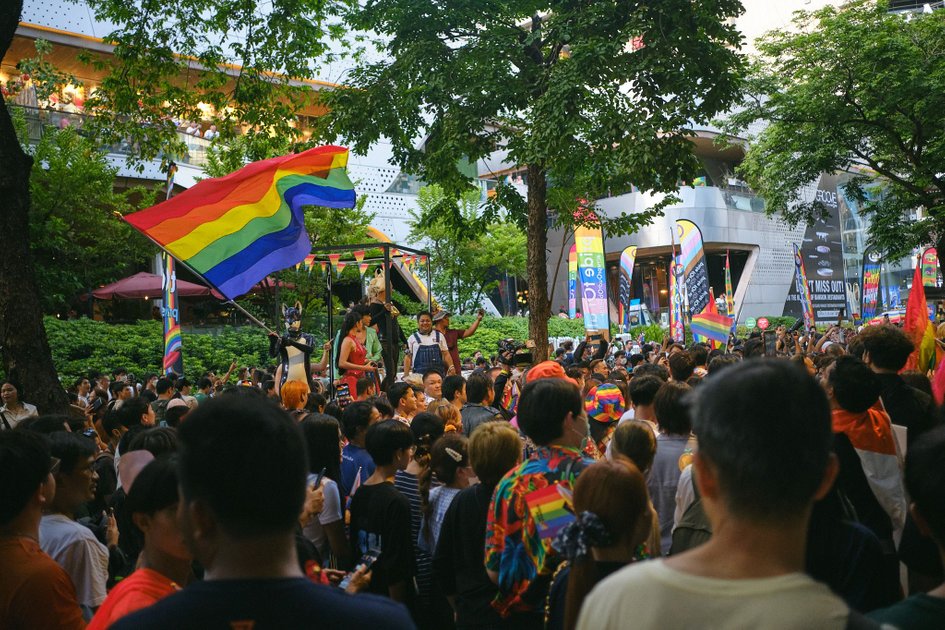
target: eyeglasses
<point>54,463</point>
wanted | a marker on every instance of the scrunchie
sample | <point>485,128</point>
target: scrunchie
<point>585,531</point>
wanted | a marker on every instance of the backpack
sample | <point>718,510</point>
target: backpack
<point>427,356</point>
<point>694,528</point>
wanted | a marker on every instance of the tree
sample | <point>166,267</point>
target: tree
<point>77,241</point>
<point>463,261</point>
<point>583,96</point>
<point>23,342</point>
<point>853,88</point>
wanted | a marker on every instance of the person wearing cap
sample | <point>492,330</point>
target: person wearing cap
<point>441,322</point>
<point>604,405</point>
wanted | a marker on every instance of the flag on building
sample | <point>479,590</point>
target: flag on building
<point>235,230</point>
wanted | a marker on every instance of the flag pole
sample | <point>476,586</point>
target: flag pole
<point>232,303</point>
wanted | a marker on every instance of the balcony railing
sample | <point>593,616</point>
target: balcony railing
<point>38,121</point>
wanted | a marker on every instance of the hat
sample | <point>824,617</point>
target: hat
<point>547,369</point>
<point>130,465</point>
<point>604,403</point>
<point>441,315</point>
<point>177,402</point>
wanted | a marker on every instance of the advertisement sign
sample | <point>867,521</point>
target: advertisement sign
<point>763,323</point>
<point>692,259</point>
<point>930,267</point>
<point>572,282</point>
<point>589,244</point>
<point>627,258</point>
<point>871,268</point>
<point>173,357</point>
<point>822,295</point>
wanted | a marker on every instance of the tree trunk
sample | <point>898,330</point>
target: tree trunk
<point>539,309</point>
<point>23,344</point>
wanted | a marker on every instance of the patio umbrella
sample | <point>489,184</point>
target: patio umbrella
<point>145,285</point>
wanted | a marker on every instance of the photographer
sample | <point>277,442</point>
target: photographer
<point>441,322</point>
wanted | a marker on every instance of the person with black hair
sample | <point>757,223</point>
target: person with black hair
<point>764,458</point>
<point>641,390</point>
<point>925,481</point>
<point>449,463</point>
<point>384,410</point>
<point>454,390</point>
<point>870,477</point>
<point>13,410</point>
<point>426,348</point>
<point>35,591</point>
<point>356,462</point>
<point>72,545</point>
<point>352,354</point>
<point>651,369</point>
<point>323,440</point>
<point>242,478</point>
<point>478,408</point>
<point>380,515</point>
<point>403,401</point>
<point>700,358</point>
<point>681,366</point>
<point>365,388</point>
<point>426,428</point>
<point>164,565</point>
<point>165,391</point>
<point>204,390</point>
<point>519,556</point>
<point>675,446</point>
<point>432,385</point>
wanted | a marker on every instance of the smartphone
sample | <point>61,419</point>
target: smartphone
<point>367,561</point>
<point>771,342</point>
<point>316,480</point>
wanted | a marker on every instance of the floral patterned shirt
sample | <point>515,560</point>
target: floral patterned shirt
<point>530,506</point>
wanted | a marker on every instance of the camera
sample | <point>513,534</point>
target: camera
<point>510,355</point>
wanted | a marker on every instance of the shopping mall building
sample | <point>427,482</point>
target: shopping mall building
<point>731,217</point>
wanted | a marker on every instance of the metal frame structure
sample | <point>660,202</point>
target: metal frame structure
<point>321,255</point>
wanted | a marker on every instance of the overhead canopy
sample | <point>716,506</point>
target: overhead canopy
<point>146,285</point>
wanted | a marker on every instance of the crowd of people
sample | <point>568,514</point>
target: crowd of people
<point>793,481</point>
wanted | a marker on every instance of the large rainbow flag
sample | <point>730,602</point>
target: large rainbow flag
<point>236,230</point>
<point>919,327</point>
<point>711,325</point>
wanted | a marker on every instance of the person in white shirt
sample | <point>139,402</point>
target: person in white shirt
<point>72,545</point>
<point>14,410</point>
<point>211,133</point>
<point>764,458</point>
<point>426,349</point>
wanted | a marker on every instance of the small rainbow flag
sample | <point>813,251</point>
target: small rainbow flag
<point>550,510</point>
<point>711,326</point>
<point>236,230</point>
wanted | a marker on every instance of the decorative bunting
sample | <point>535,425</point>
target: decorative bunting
<point>333,259</point>
<point>309,262</point>
<point>423,260</point>
<point>323,265</point>
<point>339,267</point>
<point>359,256</point>
<point>363,267</point>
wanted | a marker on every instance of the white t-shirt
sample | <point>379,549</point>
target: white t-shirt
<point>652,595</point>
<point>685,495</point>
<point>426,340</point>
<point>331,512</point>
<point>77,551</point>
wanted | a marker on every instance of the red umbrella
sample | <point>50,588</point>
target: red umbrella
<point>146,285</point>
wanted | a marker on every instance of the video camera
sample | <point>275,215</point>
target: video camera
<point>509,352</point>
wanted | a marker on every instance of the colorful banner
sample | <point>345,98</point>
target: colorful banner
<point>589,243</point>
<point>359,255</point>
<point>871,275</point>
<point>363,267</point>
<point>692,259</point>
<point>627,257</point>
<point>803,289</point>
<point>676,326</point>
<point>930,267</point>
<point>729,293</point>
<point>173,355</point>
<point>572,282</point>
<point>339,267</point>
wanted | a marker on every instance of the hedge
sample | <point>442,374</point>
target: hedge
<point>83,345</point>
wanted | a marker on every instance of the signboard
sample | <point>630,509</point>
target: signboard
<point>627,258</point>
<point>750,323</point>
<point>763,323</point>
<point>572,282</point>
<point>589,244</point>
<point>821,256</point>
<point>930,267</point>
<point>871,269</point>
<point>692,259</point>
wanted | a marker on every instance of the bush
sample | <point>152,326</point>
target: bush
<point>83,345</point>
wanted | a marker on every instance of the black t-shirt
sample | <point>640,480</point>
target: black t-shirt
<point>263,604</point>
<point>380,518</point>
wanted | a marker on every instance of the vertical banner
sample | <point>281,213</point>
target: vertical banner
<point>822,255</point>
<point>692,259</point>
<point>589,243</point>
<point>871,275</point>
<point>627,257</point>
<point>676,326</point>
<point>930,267</point>
<point>572,282</point>
<point>173,357</point>
<point>803,289</point>
<point>170,312</point>
<point>729,293</point>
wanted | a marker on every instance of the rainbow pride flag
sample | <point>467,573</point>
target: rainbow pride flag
<point>236,230</point>
<point>711,326</point>
<point>550,510</point>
